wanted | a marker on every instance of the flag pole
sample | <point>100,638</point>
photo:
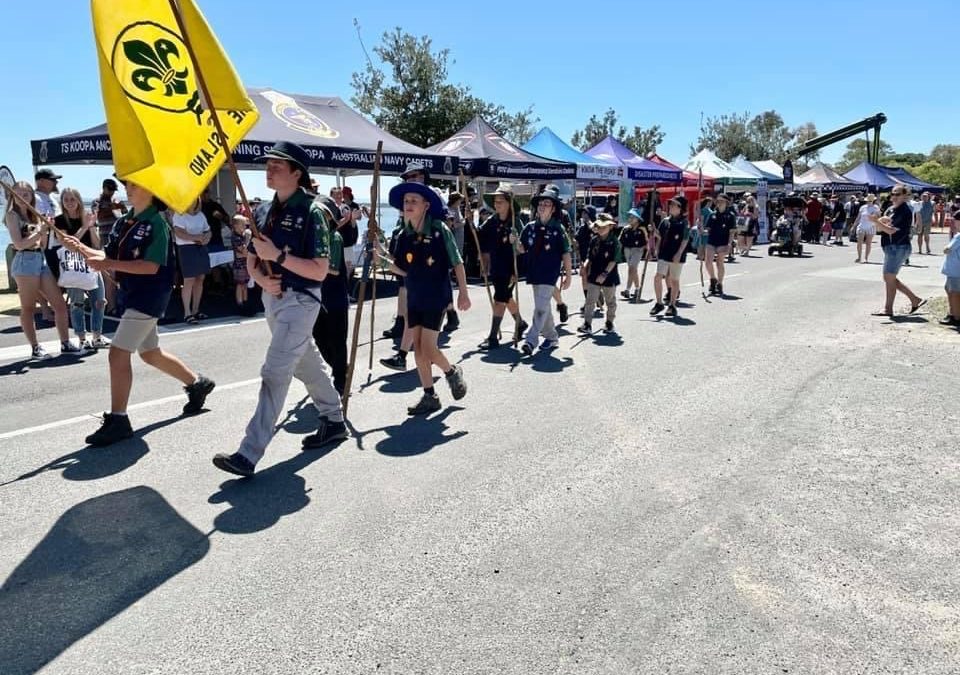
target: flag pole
<point>202,84</point>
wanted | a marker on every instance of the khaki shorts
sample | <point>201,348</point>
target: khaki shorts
<point>924,228</point>
<point>137,332</point>
<point>665,268</point>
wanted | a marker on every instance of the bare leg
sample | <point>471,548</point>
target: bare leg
<point>49,288</point>
<point>721,267</point>
<point>860,239</point>
<point>869,244</point>
<point>953,299</point>
<point>27,288</point>
<point>422,357</point>
<point>658,286</point>
<point>121,379</point>
<point>169,364</point>
<point>197,294</point>
<point>186,293</point>
<point>903,288</point>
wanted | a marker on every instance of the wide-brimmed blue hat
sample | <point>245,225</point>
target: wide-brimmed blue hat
<point>397,193</point>
<point>635,213</point>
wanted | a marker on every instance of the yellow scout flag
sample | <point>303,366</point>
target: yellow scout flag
<point>161,131</point>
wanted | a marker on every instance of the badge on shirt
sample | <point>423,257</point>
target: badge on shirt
<point>547,247</point>
<point>430,261</point>
<point>409,258</point>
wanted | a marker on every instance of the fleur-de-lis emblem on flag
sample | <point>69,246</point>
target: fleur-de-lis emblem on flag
<point>156,70</point>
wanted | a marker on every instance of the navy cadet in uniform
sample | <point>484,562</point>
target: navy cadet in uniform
<point>296,247</point>
<point>139,250</point>
<point>498,236</point>
<point>548,251</point>
<point>330,329</point>
<point>425,254</point>
<point>719,225</point>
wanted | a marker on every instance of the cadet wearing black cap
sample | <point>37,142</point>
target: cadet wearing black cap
<point>719,225</point>
<point>498,236</point>
<point>600,272</point>
<point>425,254</point>
<point>296,246</point>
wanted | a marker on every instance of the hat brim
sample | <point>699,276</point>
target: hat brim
<point>276,154</point>
<point>722,196</point>
<point>397,193</point>
<point>535,202</point>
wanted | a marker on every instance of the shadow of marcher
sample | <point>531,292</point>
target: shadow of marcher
<point>90,463</point>
<point>259,503</point>
<point>416,435</point>
<point>301,419</point>
<point>98,559</point>
<point>548,363</point>
<point>608,340</point>
<point>908,318</point>
<point>728,296</point>
<point>26,365</point>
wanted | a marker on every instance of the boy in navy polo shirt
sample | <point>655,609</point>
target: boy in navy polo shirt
<point>425,253</point>
<point>719,225</point>
<point>139,251</point>
<point>295,247</point>
<point>331,327</point>
<point>548,251</point>
<point>600,272</point>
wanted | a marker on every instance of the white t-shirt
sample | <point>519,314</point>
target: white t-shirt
<point>864,219</point>
<point>193,223</point>
<point>49,207</point>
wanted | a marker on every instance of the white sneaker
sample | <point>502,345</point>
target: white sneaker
<point>40,354</point>
<point>101,342</point>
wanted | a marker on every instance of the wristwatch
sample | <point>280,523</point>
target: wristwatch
<point>281,258</point>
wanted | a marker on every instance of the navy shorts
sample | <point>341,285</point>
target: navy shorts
<point>502,289</point>
<point>429,319</point>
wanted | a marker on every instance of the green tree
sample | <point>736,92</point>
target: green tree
<point>409,95</point>
<point>945,155</point>
<point>763,136</point>
<point>801,135</point>
<point>857,152</point>
<point>640,140</point>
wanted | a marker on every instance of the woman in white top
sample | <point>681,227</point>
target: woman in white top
<point>865,226</point>
<point>192,234</point>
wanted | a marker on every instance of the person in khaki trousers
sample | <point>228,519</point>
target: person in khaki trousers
<point>600,271</point>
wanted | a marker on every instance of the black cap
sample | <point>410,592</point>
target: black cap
<point>46,173</point>
<point>681,202</point>
<point>293,153</point>
<point>109,183</point>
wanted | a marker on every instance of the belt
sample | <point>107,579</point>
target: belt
<point>287,287</point>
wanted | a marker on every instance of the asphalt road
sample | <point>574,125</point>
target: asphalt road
<point>767,486</point>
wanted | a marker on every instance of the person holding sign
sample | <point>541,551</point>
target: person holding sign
<point>82,283</point>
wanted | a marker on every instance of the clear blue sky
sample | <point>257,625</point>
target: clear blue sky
<point>655,63</point>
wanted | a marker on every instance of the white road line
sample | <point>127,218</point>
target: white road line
<point>726,276</point>
<point>22,351</point>
<point>136,406</point>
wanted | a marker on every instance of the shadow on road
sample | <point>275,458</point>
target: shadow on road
<point>91,463</point>
<point>258,504</point>
<point>98,559</point>
<point>416,435</point>
<point>26,365</point>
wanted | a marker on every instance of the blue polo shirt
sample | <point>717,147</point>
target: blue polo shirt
<point>143,236</point>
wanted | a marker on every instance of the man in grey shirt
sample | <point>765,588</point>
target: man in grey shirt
<point>924,221</point>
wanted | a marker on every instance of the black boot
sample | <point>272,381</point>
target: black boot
<point>113,429</point>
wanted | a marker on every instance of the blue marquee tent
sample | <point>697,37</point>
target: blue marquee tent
<point>638,168</point>
<point>547,144</point>
<point>903,176</point>
<point>872,175</point>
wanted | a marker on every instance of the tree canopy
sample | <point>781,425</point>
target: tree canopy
<point>763,136</point>
<point>641,140</point>
<point>409,94</point>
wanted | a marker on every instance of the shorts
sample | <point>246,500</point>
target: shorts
<point>894,256</point>
<point>924,228</point>
<point>194,260</point>
<point>866,230</point>
<point>502,289</point>
<point>666,267</point>
<point>29,264</point>
<point>634,255</point>
<point>431,319</point>
<point>837,227</point>
<point>137,332</point>
<point>713,249</point>
<point>952,285</point>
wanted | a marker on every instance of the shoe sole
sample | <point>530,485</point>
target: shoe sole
<point>224,464</point>
<point>333,439</point>
<point>399,369</point>
<point>101,444</point>
<point>418,413</point>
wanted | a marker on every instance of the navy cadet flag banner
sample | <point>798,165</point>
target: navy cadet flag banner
<point>161,130</point>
